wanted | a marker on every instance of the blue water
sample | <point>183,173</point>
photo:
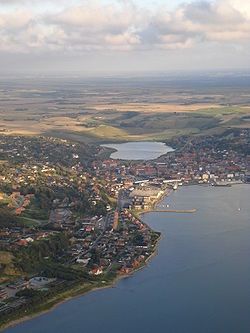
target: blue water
<point>198,283</point>
<point>138,150</point>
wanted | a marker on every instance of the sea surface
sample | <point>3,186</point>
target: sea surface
<point>138,150</point>
<point>198,283</point>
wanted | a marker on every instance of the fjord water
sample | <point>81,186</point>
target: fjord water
<point>138,150</point>
<point>198,283</point>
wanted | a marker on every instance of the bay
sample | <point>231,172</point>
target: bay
<point>198,282</point>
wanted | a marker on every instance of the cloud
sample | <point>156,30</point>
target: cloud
<point>123,26</point>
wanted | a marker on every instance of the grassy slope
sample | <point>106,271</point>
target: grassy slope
<point>8,268</point>
<point>6,257</point>
<point>138,126</point>
<point>124,123</point>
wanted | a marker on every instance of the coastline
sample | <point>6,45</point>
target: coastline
<point>110,284</point>
<point>67,299</point>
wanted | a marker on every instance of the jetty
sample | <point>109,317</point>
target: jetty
<point>181,211</point>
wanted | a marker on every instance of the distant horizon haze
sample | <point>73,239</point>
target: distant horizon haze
<point>181,74</point>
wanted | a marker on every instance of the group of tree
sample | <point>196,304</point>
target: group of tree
<point>33,258</point>
<point>7,218</point>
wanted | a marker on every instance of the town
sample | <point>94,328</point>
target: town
<point>70,215</point>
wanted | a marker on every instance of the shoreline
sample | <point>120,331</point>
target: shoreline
<point>108,145</point>
<point>111,284</point>
<point>67,299</point>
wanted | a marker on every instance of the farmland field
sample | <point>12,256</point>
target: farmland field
<point>122,109</point>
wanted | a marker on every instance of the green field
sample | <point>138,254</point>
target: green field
<point>121,126</point>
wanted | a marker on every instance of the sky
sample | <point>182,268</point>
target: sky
<point>112,36</point>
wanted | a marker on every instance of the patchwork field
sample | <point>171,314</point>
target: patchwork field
<point>98,111</point>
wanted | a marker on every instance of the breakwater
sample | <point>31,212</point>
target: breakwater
<point>181,211</point>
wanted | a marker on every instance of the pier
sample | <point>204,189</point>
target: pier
<point>181,211</point>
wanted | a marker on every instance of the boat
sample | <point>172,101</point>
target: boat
<point>175,187</point>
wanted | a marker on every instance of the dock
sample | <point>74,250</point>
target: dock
<point>180,211</point>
